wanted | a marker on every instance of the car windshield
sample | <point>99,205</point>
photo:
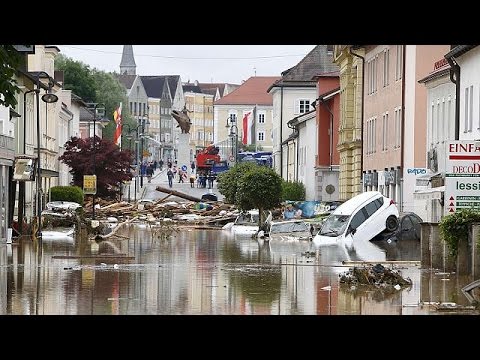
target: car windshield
<point>247,218</point>
<point>334,225</point>
<point>288,227</point>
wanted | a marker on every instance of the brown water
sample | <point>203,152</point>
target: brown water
<point>207,272</point>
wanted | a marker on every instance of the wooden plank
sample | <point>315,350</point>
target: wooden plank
<point>178,193</point>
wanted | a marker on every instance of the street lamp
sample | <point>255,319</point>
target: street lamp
<point>233,134</point>
<point>21,184</point>
<point>95,107</point>
<point>142,124</point>
<point>137,165</point>
<point>48,98</point>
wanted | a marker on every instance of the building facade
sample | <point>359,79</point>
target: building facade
<point>350,63</point>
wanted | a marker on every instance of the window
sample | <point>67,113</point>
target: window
<point>302,106</point>
<point>370,208</point>
<point>386,64</point>
<point>261,118</point>
<point>372,75</point>
<point>385,132</point>
<point>232,114</point>
<point>261,136</point>
<point>466,110</point>
<point>397,127</point>
<point>399,63</point>
<point>358,219</point>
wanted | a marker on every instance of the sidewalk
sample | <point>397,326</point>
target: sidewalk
<point>160,179</point>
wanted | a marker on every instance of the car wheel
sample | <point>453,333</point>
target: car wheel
<point>392,223</point>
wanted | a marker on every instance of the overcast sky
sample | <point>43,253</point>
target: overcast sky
<point>205,63</point>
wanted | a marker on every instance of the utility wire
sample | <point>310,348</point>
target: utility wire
<point>187,58</point>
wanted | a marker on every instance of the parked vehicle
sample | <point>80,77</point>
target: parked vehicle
<point>409,228</point>
<point>288,230</point>
<point>208,160</point>
<point>245,223</point>
<point>359,219</point>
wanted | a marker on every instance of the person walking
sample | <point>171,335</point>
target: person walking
<point>160,163</point>
<point>150,171</point>
<point>170,178</point>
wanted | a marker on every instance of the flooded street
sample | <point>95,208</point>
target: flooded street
<point>209,272</point>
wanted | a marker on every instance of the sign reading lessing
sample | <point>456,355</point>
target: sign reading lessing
<point>462,176</point>
<point>90,184</point>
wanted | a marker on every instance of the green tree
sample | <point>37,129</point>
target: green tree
<point>293,190</point>
<point>10,61</point>
<point>228,180</point>
<point>112,166</point>
<point>94,85</point>
<point>252,187</point>
<point>109,91</point>
<point>77,77</point>
<point>259,188</point>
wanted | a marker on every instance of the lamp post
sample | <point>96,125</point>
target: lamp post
<point>142,124</point>
<point>137,166</point>
<point>21,184</point>
<point>233,134</point>
<point>95,107</point>
<point>48,98</point>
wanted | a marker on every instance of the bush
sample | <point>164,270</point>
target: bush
<point>293,191</point>
<point>454,228</point>
<point>67,193</point>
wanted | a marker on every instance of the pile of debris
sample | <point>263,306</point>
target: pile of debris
<point>194,213</point>
<point>377,276</point>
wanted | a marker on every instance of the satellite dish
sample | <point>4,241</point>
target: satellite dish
<point>330,189</point>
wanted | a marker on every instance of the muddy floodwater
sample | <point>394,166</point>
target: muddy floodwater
<point>211,272</point>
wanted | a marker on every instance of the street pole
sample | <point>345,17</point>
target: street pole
<point>94,151</point>
<point>21,184</point>
<point>38,182</point>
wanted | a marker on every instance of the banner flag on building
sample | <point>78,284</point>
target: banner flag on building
<point>117,117</point>
<point>247,123</point>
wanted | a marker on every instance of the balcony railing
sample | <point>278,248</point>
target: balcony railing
<point>7,147</point>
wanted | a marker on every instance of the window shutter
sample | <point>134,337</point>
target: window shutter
<point>297,106</point>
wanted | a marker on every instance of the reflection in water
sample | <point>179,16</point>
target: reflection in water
<point>206,272</point>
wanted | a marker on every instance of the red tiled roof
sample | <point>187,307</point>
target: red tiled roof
<point>251,92</point>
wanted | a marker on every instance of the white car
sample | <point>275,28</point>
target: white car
<point>359,219</point>
<point>287,230</point>
<point>246,223</point>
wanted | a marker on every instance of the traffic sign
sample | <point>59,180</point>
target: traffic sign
<point>90,184</point>
<point>231,158</point>
<point>184,167</point>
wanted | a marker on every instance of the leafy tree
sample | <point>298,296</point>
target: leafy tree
<point>293,190</point>
<point>94,85</point>
<point>77,77</point>
<point>109,91</point>
<point>251,186</point>
<point>112,166</point>
<point>10,61</point>
<point>259,188</point>
<point>228,180</point>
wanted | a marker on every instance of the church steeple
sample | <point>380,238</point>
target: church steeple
<point>127,65</point>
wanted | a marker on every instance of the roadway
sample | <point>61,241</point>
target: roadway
<point>148,191</point>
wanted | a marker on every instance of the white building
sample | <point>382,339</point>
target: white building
<point>429,192</point>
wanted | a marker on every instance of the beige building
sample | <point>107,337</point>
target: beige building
<point>200,111</point>
<point>350,131</point>
<point>230,110</point>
